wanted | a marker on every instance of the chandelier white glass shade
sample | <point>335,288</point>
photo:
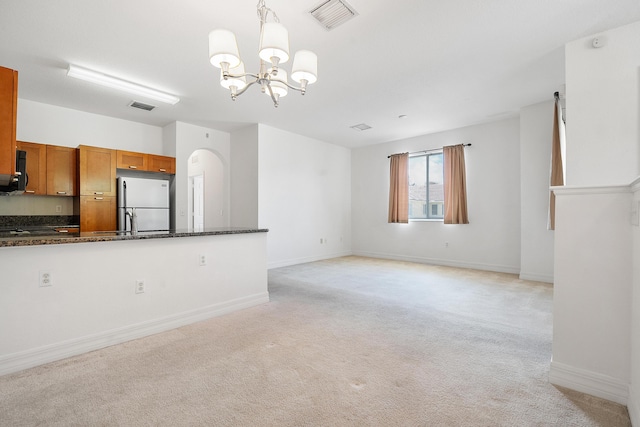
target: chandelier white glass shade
<point>273,50</point>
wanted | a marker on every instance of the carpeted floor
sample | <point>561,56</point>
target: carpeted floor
<point>344,342</point>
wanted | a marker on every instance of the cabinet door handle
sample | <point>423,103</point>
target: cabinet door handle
<point>62,192</point>
<point>133,167</point>
<point>99,198</point>
<point>162,170</point>
<point>30,191</point>
<point>98,193</point>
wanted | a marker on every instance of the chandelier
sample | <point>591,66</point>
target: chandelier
<point>273,51</point>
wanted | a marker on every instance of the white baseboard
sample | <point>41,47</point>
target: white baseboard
<point>536,277</point>
<point>589,382</point>
<point>634,405</point>
<point>27,359</point>
<point>303,260</point>
<point>444,262</point>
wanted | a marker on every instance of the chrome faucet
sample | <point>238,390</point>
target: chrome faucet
<point>133,220</point>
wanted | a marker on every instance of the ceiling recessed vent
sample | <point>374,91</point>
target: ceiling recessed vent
<point>331,13</point>
<point>361,126</point>
<point>142,105</point>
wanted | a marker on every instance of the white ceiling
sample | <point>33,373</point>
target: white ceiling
<point>443,64</point>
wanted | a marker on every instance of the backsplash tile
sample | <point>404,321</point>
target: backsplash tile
<point>9,221</point>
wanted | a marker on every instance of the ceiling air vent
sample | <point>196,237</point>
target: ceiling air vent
<point>142,105</point>
<point>361,126</point>
<point>331,13</point>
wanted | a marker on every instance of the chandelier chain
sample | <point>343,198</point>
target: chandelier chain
<point>263,11</point>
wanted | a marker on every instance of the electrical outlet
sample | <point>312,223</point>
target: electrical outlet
<point>446,244</point>
<point>46,279</point>
<point>139,286</point>
<point>202,260</point>
<point>321,240</point>
<point>58,208</point>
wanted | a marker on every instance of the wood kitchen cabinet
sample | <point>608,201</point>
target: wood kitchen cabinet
<point>97,181</point>
<point>36,167</point>
<point>62,179</point>
<point>8,113</point>
<point>146,162</point>
<point>162,164</point>
<point>132,160</point>
<point>97,171</point>
<point>98,213</point>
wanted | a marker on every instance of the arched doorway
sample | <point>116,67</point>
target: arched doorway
<point>207,198</point>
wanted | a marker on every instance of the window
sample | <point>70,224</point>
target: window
<point>426,186</point>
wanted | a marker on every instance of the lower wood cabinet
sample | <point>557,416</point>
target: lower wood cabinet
<point>98,213</point>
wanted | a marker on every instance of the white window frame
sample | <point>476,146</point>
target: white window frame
<point>427,206</point>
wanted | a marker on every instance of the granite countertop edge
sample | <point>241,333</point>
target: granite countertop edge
<point>89,237</point>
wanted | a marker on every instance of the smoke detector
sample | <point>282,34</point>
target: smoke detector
<point>332,13</point>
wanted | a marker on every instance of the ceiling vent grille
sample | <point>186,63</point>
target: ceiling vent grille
<point>361,126</point>
<point>142,105</point>
<point>331,13</point>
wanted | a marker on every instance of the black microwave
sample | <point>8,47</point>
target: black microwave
<point>20,180</point>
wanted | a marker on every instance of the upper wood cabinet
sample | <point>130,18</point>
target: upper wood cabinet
<point>8,113</point>
<point>162,164</point>
<point>62,179</point>
<point>146,162</point>
<point>36,167</point>
<point>132,160</point>
<point>51,169</point>
<point>97,171</point>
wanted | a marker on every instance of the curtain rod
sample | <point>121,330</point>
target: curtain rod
<point>434,149</point>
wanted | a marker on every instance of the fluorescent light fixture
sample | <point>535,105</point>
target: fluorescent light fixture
<point>123,85</point>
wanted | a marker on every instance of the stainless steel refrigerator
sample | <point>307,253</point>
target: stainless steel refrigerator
<point>144,202</point>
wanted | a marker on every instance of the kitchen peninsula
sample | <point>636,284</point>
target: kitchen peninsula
<point>66,295</point>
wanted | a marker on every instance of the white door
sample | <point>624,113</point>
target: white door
<point>198,202</point>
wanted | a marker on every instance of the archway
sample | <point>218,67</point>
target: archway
<point>207,198</point>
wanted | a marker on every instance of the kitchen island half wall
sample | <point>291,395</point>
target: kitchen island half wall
<point>59,300</point>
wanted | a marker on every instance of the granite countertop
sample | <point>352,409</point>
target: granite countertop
<point>34,239</point>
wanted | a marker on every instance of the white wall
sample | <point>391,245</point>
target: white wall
<point>48,124</point>
<point>595,347</point>
<point>304,196</point>
<point>592,292</point>
<point>634,389</point>
<point>92,304</point>
<point>492,239</point>
<point>189,138</point>
<point>244,177</point>
<point>536,242</point>
<point>602,94</point>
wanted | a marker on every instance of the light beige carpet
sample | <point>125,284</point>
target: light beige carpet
<point>345,342</point>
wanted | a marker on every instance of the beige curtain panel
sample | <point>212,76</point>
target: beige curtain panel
<point>557,172</point>
<point>455,186</point>
<point>399,188</point>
